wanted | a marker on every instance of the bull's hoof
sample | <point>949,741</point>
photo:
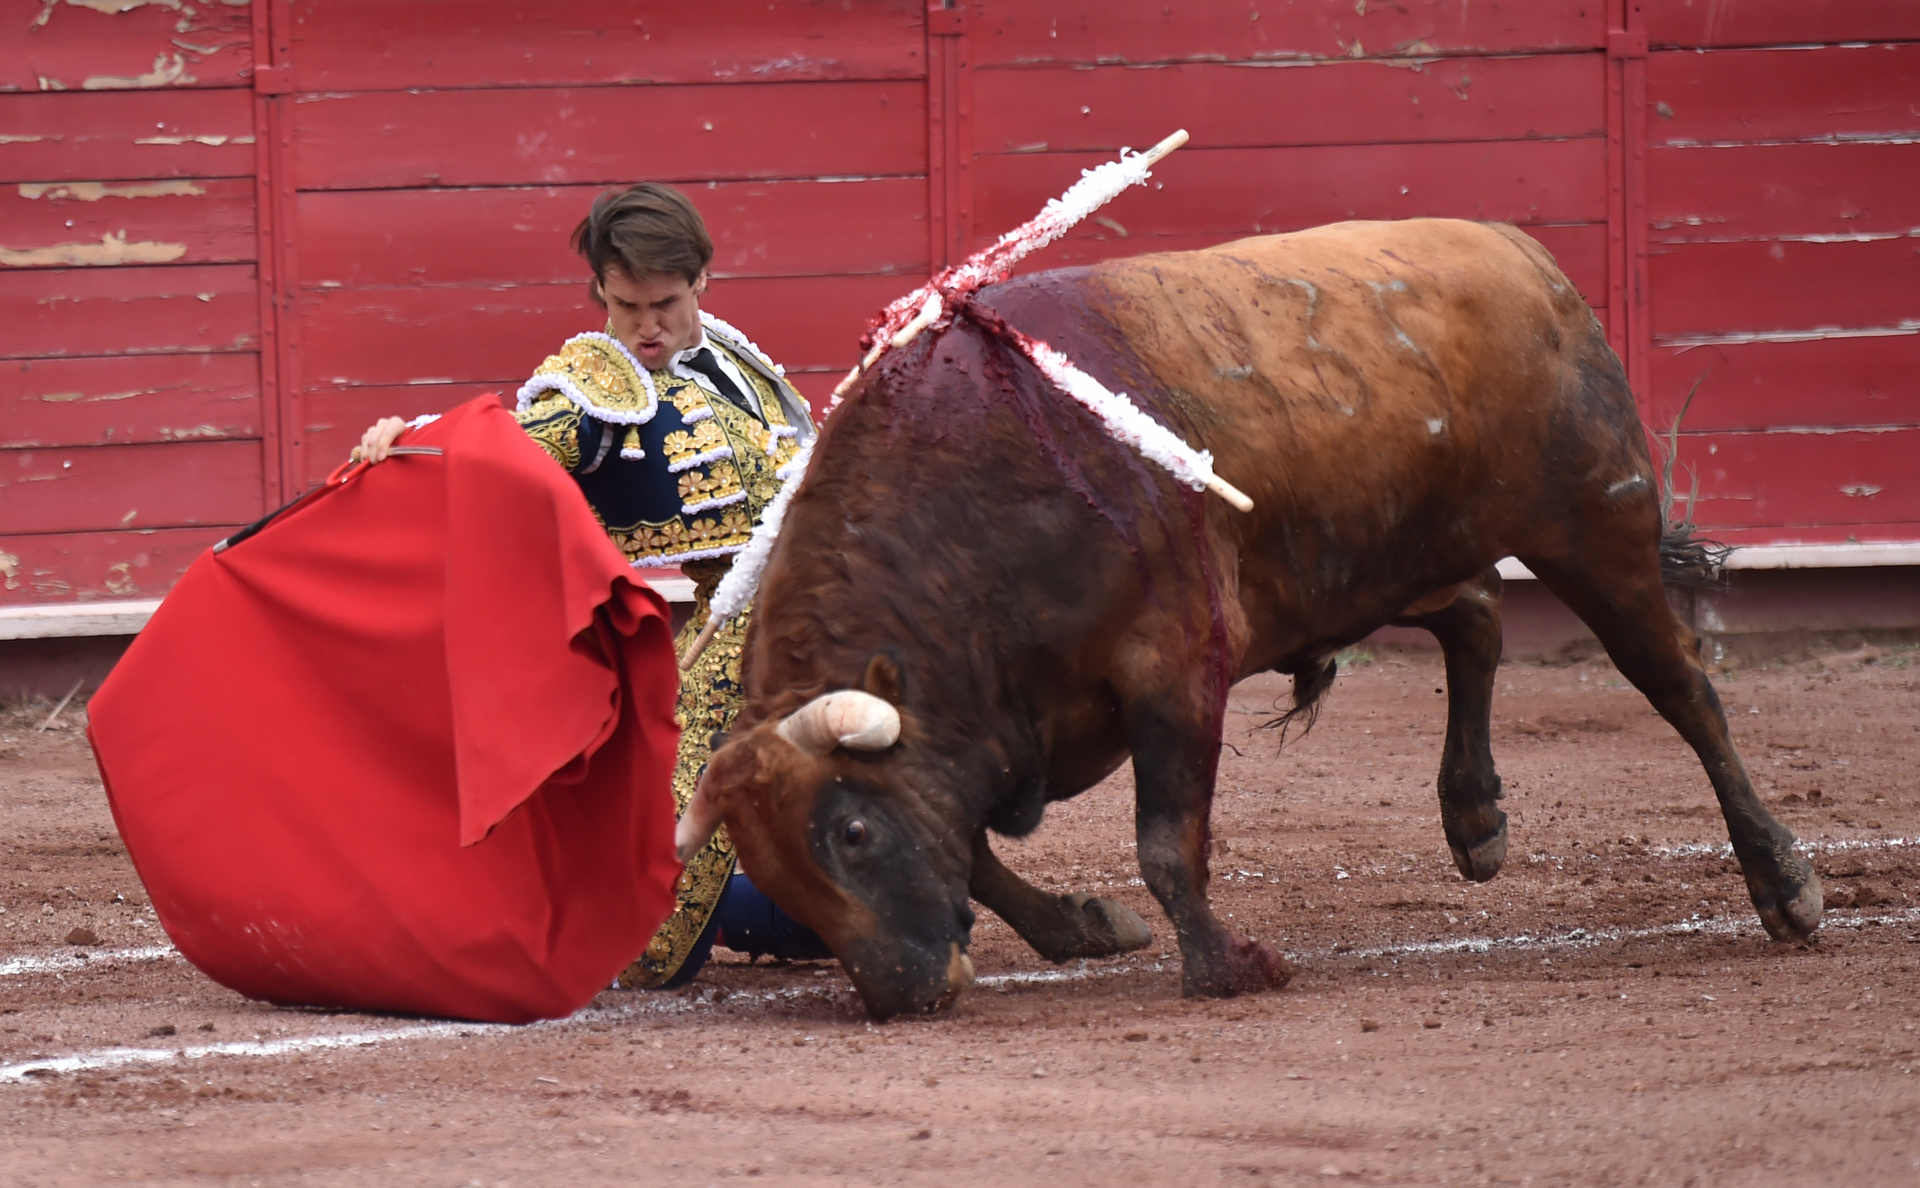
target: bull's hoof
<point>1481,860</point>
<point>1107,927</point>
<point>1791,913</point>
<point>1245,966</point>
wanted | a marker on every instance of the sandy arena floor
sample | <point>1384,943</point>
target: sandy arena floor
<point>1607,1011</point>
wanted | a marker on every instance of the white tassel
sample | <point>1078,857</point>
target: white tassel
<point>736,590</point>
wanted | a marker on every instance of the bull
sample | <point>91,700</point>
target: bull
<point>981,603</point>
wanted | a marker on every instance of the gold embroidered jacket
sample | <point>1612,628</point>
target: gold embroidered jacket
<point>674,473</point>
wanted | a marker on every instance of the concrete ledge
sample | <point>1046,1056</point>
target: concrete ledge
<point>1854,555</point>
<point>96,619</point>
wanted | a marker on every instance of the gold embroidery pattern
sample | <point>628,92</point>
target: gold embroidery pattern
<point>703,438</point>
<point>722,528</point>
<point>686,397</point>
<point>710,697</point>
<point>554,423</point>
<point>719,480</point>
<point>601,373</point>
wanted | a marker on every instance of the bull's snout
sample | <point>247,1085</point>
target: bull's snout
<point>908,980</point>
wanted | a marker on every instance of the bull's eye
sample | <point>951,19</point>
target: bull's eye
<point>856,832</point>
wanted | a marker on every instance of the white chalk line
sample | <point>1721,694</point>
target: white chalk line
<point>84,959</point>
<point>1578,938</point>
<point>119,1057</point>
<point>1586,938</point>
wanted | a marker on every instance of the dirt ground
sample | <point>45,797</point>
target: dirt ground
<point>1607,1011</point>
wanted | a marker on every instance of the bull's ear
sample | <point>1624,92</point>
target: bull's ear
<point>883,678</point>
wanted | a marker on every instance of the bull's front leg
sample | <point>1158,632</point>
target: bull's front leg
<point>1173,771</point>
<point>1059,927</point>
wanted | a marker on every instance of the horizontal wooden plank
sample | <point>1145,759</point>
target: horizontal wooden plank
<point>1027,31</point>
<point>1697,23</point>
<point>1719,288</point>
<point>98,566</point>
<point>1251,191</point>
<point>1859,93</point>
<point>589,135</point>
<point>363,238</point>
<point>122,46</point>
<point>124,311</point>
<point>1789,480</point>
<point>120,135</point>
<point>131,398</point>
<point>1229,106</point>
<point>57,224</point>
<point>499,334</point>
<point>130,486</point>
<point>1821,382</point>
<point>368,45</point>
<point>1783,191</point>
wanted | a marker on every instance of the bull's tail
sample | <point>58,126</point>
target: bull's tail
<point>1686,558</point>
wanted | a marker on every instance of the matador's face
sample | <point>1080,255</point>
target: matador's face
<point>654,316</point>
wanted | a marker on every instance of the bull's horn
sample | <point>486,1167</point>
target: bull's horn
<point>697,824</point>
<point>850,718</point>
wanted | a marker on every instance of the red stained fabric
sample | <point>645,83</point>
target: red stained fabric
<point>409,748</point>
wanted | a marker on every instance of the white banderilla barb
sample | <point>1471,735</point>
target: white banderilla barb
<point>1127,424</point>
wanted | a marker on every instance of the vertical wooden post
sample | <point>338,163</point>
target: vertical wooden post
<point>949,135</point>
<point>1628,329</point>
<point>281,424</point>
<point>266,235</point>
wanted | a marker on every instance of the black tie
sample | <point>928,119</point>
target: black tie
<point>703,362</point>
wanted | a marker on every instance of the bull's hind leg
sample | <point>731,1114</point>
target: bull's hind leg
<point>1614,585</point>
<point>1468,629</point>
<point>1059,927</point>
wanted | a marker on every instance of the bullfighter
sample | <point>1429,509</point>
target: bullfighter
<point>676,427</point>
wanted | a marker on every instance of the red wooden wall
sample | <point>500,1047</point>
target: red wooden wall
<point>232,234</point>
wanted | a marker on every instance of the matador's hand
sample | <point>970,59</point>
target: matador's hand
<point>376,444</point>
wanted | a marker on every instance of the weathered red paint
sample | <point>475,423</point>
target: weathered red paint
<point>383,195</point>
<point>118,400</point>
<point>77,48</point>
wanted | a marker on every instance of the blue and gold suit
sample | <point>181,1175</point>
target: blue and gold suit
<point>678,464</point>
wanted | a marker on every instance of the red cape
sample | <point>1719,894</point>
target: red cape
<point>409,747</point>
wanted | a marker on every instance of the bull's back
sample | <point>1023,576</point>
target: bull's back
<point>1385,392</point>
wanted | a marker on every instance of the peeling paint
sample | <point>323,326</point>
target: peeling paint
<point>192,433</point>
<point>119,575</point>
<point>1862,490</point>
<point>51,84</point>
<point>112,249</point>
<point>95,191</point>
<point>10,570</point>
<point>1829,138</point>
<point>115,7</point>
<point>67,397</point>
<point>163,74</point>
<point>1736,337</point>
<point>1837,237</point>
<point>7,139</point>
<point>215,141</point>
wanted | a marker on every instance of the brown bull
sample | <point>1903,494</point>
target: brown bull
<point>1024,603</point>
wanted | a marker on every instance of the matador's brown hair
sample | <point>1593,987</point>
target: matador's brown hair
<point>648,230</point>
